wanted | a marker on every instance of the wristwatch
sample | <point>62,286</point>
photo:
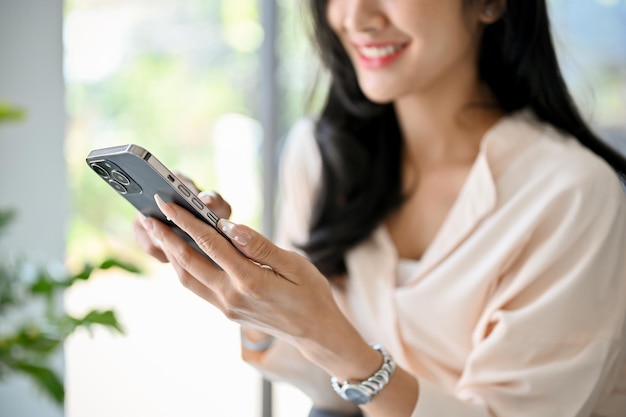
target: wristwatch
<point>364,391</point>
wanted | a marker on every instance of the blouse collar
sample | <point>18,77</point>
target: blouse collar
<point>477,199</point>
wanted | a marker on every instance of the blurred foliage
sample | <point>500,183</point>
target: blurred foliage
<point>9,112</point>
<point>28,344</point>
<point>34,326</point>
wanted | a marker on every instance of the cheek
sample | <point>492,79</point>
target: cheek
<point>334,15</point>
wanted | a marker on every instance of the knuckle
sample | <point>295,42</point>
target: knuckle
<point>233,304</point>
<point>230,314</point>
<point>251,288</point>
<point>184,256</point>
<point>157,254</point>
<point>185,280</point>
<point>262,250</point>
<point>206,242</point>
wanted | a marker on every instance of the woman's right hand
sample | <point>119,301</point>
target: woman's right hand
<point>211,199</point>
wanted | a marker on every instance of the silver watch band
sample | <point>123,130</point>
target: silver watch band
<point>364,391</point>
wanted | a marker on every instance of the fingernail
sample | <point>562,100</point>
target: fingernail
<point>207,193</point>
<point>235,233</point>
<point>162,206</point>
<point>207,196</point>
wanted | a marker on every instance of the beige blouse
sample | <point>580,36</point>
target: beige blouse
<point>518,306</point>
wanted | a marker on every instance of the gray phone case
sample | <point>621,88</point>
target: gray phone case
<point>137,175</point>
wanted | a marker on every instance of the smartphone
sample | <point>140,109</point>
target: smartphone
<point>137,175</point>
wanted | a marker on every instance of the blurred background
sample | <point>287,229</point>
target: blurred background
<point>211,87</point>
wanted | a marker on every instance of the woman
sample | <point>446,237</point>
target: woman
<point>463,231</point>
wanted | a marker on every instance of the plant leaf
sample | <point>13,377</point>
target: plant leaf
<point>33,339</point>
<point>112,263</point>
<point>82,275</point>
<point>43,285</point>
<point>104,318</point>
<point>45,379</point>
<point>6,217</point>
<point>9,112</point>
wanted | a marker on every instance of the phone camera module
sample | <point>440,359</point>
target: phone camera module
<point>119,177</point>
<point>100,170</point>
<point>118,187</point>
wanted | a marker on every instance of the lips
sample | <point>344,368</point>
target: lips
<point>379,55</point>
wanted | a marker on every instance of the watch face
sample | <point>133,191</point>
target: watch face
<point>356,395</point>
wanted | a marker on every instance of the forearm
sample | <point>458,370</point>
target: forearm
<point>343,353</point>
<point>283,362</point>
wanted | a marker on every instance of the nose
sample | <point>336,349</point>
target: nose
<point>363,16</point>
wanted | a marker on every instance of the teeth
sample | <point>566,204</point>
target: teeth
<point>379,51</point>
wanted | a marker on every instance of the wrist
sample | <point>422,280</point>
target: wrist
<point>363,391</point>
<point>342,353</point>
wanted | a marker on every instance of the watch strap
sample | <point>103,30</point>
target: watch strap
<point>370,387</point>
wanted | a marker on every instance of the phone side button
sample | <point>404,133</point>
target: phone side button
<point>214,219</point>
<point>197,203</point>
<point>184,190</point>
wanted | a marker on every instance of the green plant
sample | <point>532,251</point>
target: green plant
<point>34,326</point>
<point>9,112</point>
<point>29,345</point>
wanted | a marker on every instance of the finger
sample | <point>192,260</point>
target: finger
<point>198,273</point>
<point>187,181</point>
<point>195,285</point>
<point>145,241</point>
<point>215,202</point>
<point>212,242</point>
<point>188,261</point>
<point>261,250</point>
<point>173,245</point>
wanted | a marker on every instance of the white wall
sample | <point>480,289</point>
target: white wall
<point>32,166</point>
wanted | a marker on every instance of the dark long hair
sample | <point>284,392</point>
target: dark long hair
<point>361,144</point>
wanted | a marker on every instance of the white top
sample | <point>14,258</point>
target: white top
<point>518,307</point>
<point>406,269</point>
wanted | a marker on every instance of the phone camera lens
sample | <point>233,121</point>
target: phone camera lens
<point>100,171</point>
<point>118,187</point>
<point>119,177</point>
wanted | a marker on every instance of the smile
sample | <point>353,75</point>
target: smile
<point>375,56</point>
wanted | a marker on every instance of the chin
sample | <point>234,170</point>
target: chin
<point>379,97</point>
<point>378,91</point>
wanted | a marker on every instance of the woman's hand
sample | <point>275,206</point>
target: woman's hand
<point>279,292</point>
<point>212,200</point>
<point>261,285</point>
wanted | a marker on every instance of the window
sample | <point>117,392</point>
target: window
<point>182,79</point>
<point>591,39</point>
